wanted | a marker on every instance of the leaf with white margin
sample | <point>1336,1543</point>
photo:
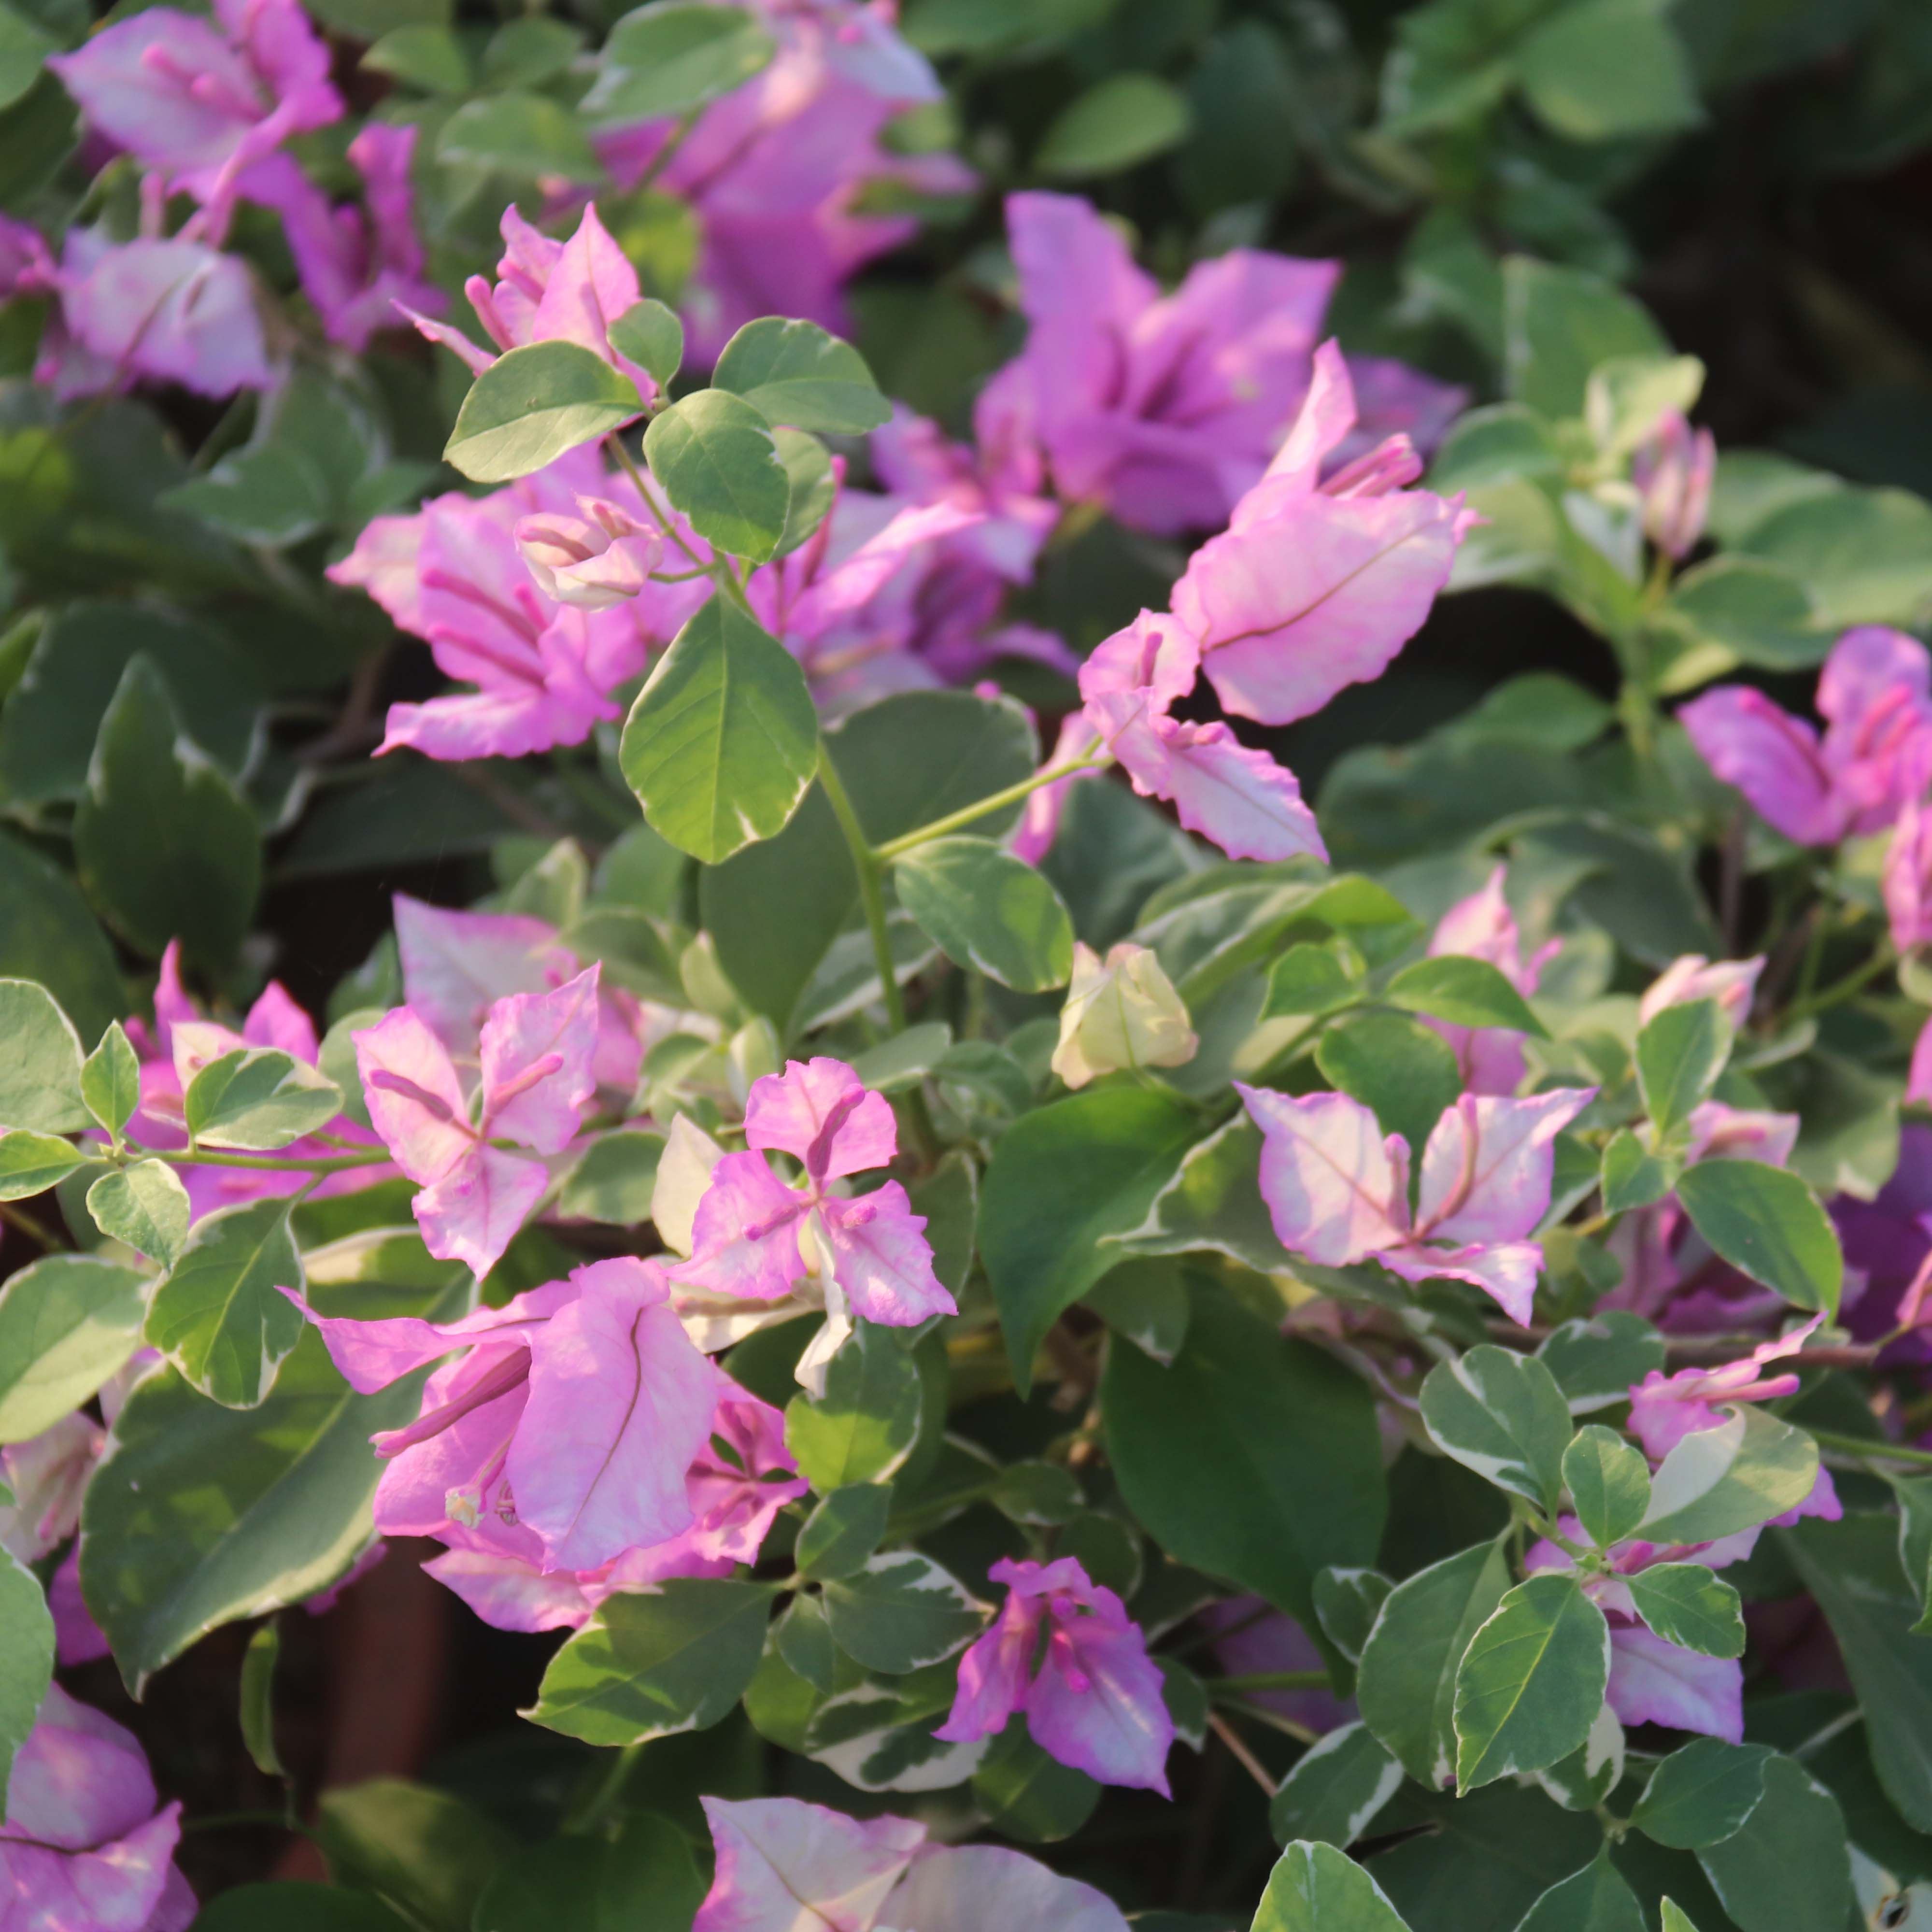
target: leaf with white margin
<point>1502,1415</point>
<point>1532,1682</point>
<point>879,1736</point>
<point>1718,1481</point>
<point>1314,1888</point>
<point>1336,1787</point>
<point>1583,1779</point>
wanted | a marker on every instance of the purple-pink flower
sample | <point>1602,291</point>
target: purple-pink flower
<point>180,1042</point>
<point>1250,806</point>
<point>1873,693</point>
<point>562,1435</point>
<point>360,267</point>
<point>1316,583</point>
<point>779,171</point>
<point>535,1052</point>
<point>1731,984</point>
<point>1164,408</point>
<point>872,1247</point>
<point>601,557</point>
<point>786,1866</point>
<point>208,103</point>
<point>550,291</point>
<point>86,1846</point>
<point>1337,1190</point>
<point>1672,470</point>
<point>1093,1697</point>
<point>1483,927</point>
<point>1906,881</point>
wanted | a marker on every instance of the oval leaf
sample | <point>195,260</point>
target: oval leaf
<point>533,403</point>
<point>1502,1415</point>
<point>1768,1225</point>
<point>802,376</point>
<point>989,911</point>
<point>67,1324</point>
<point>1465,992</point>
<point>1532,1683</point>
<point>715,456</point>
<point>675,55</point>
<point>40,1072</point>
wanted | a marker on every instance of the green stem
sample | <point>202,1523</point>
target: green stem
<point>1865,1446</point>
<point>33,1230</point>
<point>586,1817</point>
<point>1842,988</point>
<point>1272,1680</point>
<point>871,893</point>
<point>895,848</point>
<point>267,1163</point>
<point>615,444</point>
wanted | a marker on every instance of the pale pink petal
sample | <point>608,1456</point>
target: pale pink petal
<point>385,562</point>
<point>456,965</point>
<point>1321,594</point>
<point>736,1507</point>
<point>620,1404</point>
<point>536,1050</point>
<point>781,1862</point>
<point>1654,1682</point>
<point>819,1111</point>
<point>1731,983</point>
<point>1487,1168</point>
<point>994,1673</point>
<point>511,1593</point>
<point>859,578</point>
<point>978,1888</point>
<point>78,1639</point>
<point>1772,757</point>
<point>371,1354</point>
<point>1918,1076</point>
<point>275,1020</point>
<point>472,1214</point>
<point>174,309</point>
<point>1506,1270</point>
<point>1033,838</point>
<point>1907,878</point>
<point>416,1102</point>
<point>172,1003</point>
<point>878,1252</point>
<point>1724,1132</point>
<point>1336,1189</point>
<point>591,284</point>
<point>463,1459</point>
<point>745,1234</point>
<point>1106,1714</point>
<point>1327,415</point>
<point>474,359</point>
<point>1155,657</point>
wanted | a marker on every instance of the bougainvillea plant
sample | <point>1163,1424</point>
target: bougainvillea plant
<point>997,1316</point>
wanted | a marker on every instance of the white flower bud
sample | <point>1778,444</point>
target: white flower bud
<point>1120,1012</point>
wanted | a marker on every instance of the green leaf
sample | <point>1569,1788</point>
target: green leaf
<point>527,136</point>
<point>1582,1781</point>
<point>1406,1684</point>
<point>1718,1481</point>
<point>39,1072</point>
<point>424,1853</point>
<point>1038,1493</point>
<point>1755,611</point>
<point>1299,1486</point>
<point>1789,1866</point>
<point>291,1906</point>
<point>1679,1056</point>
<point>1145,1300</point>
<point>1347,1603</point>
<point>1702,1794</point>
<point>1609,1481</point>
<point>426,54</point>
<point>776,910</point>
<point>1502,1415</point>
<point>1116,123</point>
<point>900,1612</point>
<point>1595,1361</point>
<point>1465,992</point>
<point>147,1207</point>
<point>675,55</point>
<point>989,911</point>
<point>1610,69</point>
<point>643,1880</point>
<point>1594,1900</point>
<point>1768,1225</point>
<point>1399,1070</point>
<point>1061,1178</point>
<point>1313,979</point>
<point>613,1182</point>
<point>268,493</point>
<point>723,741</point>
<point>67,1324</point>
<point>648,1666</point>
<point>1687,1606</point>
<point>258,1699</point>
<point>198,1515</point>
<point>1626,395</point>
<point>218,1314</point>
<point>259,1099</point>
<point>1027,1795</point>
<point>110,1082</point>
<point>878,1734</point>
<point>1864,556</point>
<point>1632,1176</point>
<point>1558,324</point>
<point>1532,1683</point>
<point>47,934</point>
<point>1336,1789</point>
<point>26,1658</point>
<point>715,458</point>
<point>863,1427</point>
<point>1853,1569</point>
<point>1314,1888</point>
<point>812,486</point>
<point>23,47</point>
<point>165,845</point>
<point>533,403</point>
<point>531,50</point>
<point>843,1531</point>
<point>31,1163</point>
<point>798,374</point>
<point>650,335</point>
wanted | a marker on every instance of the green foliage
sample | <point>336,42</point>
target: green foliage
<point>536,402</point>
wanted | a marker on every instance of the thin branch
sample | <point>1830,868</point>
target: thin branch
<point>1242,1755</point>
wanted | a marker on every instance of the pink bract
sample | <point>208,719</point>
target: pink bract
<point>1483,927</point>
